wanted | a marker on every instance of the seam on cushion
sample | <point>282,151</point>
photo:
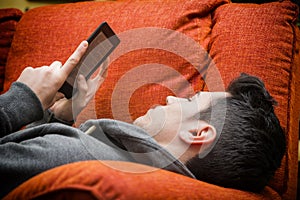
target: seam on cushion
<point>292,66</point>
<point>76,187</point>
<point>202,71</point>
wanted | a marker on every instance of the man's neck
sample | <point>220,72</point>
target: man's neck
<point>180,150</point>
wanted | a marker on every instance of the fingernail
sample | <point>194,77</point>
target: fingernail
<point>85,43</point>
<point>81,77</point>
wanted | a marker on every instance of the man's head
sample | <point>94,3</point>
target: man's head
<point>232,139</point>
<point>251,143</point>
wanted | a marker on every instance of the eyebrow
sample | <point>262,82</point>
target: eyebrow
<point>189,98</point>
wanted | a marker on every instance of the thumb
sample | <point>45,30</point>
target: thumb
<point>74,59</point>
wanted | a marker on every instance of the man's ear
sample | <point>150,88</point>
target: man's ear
<point>204,134</point>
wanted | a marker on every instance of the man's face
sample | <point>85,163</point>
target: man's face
<point>179,114</point>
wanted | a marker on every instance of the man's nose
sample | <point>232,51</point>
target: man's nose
<point>172,99</point>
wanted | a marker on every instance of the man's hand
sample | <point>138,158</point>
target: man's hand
<point>68,109</point>
<point>45,81</point>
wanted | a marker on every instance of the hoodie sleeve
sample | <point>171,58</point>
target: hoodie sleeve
<point>19,106</point>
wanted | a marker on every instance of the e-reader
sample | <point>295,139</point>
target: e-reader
<point>102,42</point>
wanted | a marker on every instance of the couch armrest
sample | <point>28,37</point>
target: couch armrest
<point>8,21</point>
<point>123,180</point>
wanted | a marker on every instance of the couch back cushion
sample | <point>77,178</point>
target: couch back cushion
<point>9,18</point>
<point>148,61</point>
<point>263,40</point>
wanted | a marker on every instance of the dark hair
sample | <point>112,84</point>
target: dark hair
<point>251,141</point>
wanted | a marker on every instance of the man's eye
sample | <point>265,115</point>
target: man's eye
<point>189,98</point>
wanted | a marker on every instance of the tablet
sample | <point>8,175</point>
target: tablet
<point>102,42</point>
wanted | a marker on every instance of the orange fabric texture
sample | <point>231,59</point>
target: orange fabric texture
<point>8,22</point>
<point>121,180</point>
<point>257,39</point>
<point>62,27</point>
<point>261,40</point>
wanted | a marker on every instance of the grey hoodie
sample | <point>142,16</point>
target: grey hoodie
<point>30,151</point>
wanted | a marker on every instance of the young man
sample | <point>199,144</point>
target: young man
<point>231,138</point>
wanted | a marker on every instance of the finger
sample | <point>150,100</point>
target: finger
<point>105,67</point>
<point>102,68</point>
<point>58,96</point>
<point>95,81</point>
<point>93,86</point>
<point>82,87</point>
<point>101,72</point>
<point>104,74</point>
<point>74,58</point>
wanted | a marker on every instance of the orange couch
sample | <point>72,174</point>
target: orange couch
<point>151,63</point>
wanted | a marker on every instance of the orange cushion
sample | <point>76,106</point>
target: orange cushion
<point>262,40</point>
<point>8,21</point>
<point>139,68</point>
<point>122,180</point>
